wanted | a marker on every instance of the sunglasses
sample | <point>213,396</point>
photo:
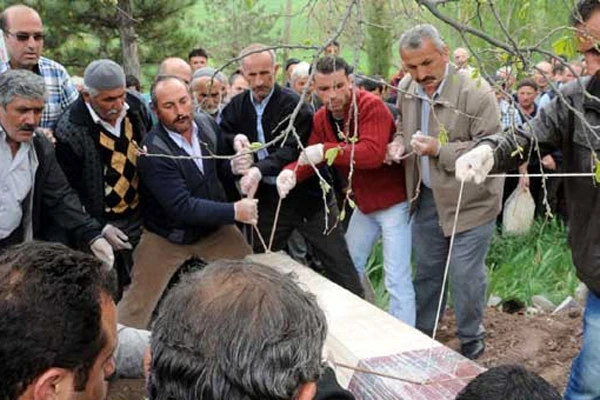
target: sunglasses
<point>24,36</point>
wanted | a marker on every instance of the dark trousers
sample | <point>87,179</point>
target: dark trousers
<point>329,247</point>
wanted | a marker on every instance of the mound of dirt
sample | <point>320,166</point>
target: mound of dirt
<point>543,343</point>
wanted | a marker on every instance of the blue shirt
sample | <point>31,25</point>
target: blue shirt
<point>260,109</point>
<point>193,149</point>
<point>425,111</point>
<point>60,89</point>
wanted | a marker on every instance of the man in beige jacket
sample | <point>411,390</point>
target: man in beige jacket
<point>441,113</point>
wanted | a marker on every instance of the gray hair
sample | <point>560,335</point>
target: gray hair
<point>413,38</point>
<point>21,83</point>
<point>236,331</point>
<point>301,70</point>
<point>255,49</point>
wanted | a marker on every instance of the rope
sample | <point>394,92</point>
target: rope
<point>548,175</point>
<point>439,309</point>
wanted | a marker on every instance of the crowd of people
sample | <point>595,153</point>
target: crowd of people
<point>209,167</point>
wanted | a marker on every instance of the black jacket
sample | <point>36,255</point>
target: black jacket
<point>179,202</point>
<point>78,150</point>
<point>239,116</point>
<point>55,202</point>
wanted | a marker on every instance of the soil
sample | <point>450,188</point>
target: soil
<point>543,343</point>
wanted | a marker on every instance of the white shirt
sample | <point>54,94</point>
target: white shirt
<point>113,130</point>
<point>16,181</point>
<point>192,149</point>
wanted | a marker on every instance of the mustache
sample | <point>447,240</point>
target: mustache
<point>427,79</point>
<point>181,117</point>
<point>27,127</point>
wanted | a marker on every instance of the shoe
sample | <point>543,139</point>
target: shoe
<point>473,350</point>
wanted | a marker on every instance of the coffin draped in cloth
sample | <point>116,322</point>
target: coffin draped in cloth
<point>375,355</point>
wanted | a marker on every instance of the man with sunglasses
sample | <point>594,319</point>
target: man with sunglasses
<point>569,123</point>
<point>24,38</point>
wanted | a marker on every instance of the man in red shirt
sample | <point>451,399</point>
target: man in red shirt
<point>358,129</point>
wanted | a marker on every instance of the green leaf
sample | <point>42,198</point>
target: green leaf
<point>518,151</point>
<point>343,213</point>
<point>255,146</point>
<point>566,45</point>
<point>331,155</point>
<point>443,136</point>
<point>325,187</point>
<point>597,171</point>
<point>351,203</point>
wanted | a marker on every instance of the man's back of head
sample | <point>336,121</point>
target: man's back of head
<point>237,330</point>
<point>508,382</point>
<point>57,323</point>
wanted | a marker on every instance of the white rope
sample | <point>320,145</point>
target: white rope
<point>439,309</point>
<point>547,175</point>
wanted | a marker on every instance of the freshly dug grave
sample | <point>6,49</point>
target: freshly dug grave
<point>543,343</point>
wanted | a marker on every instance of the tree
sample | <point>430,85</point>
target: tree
<point>378,43</point>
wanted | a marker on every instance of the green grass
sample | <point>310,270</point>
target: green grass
<point>519,267</point>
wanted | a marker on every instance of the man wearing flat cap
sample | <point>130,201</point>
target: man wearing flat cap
<point>96,151</point>
<point>207,87</point>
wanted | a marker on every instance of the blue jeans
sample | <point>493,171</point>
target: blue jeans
<point>584,381</point>
<point>393,225</point>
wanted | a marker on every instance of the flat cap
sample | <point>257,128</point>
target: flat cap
<point>104,75</point>
<point>209,72</point>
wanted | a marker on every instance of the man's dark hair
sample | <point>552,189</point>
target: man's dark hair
<point>527,82</point>
<point>372,83</point>
<point>199,52</point>
<point>583,11</point>
<point>132,80</point>
<point>50,313</point>
<point>159,79</point>
<point>508,382</point>
<point>330,64</point>
<point>3,21</point>
<point>558,68</point>
<point>236,331</point>
<point>334,43</point>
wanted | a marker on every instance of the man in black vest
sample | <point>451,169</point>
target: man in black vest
<point>185,210</point>
<point>95,147</point>
<point>262,114</point>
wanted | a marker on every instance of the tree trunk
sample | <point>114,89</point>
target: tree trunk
<point>287,24</point>
<point>129,45</point>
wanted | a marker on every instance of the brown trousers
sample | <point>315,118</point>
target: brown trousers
<point>156,260</point>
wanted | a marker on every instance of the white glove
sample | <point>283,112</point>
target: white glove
<point>249,182</point>
<point>116,237</point>
<point>312,155</point>
<point>286,181</point>
<point>103,251</point>
<point>246,211</point>
<point>395,151</point>
<point>240,143</point>
<point>475,165</point>
<point>241,163</point>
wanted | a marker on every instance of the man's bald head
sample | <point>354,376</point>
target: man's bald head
<point>177,67</point>
<point>23,35</point>
<point>461,57</point>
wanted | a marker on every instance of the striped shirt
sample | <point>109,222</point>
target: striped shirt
<point>60,89</point>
